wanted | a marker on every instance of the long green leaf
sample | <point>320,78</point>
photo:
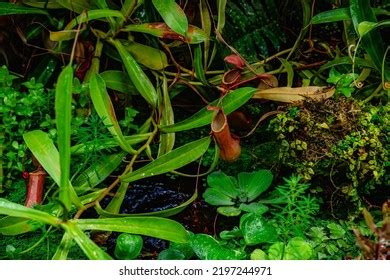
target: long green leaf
<point>340,14</point>
<point>194,35</point>
<point>167,140</point>
<point>331,16</point>
<point>108,143</point>
<point>15,225</point>
<point>115,204</point>
<point>47,154</point>
<point>149,57</point>
<point>137,75</point>
<point>97,172</point>
<point>119,81</point>
<point>14,9</point>
<point>77,6</point>
<point>51,4</point>
<point>372,42</point>
<point>90,249</point>
<point>150,226</point>
<point>206,27</point>
<point>229,103</point>
<point>170,161</point>
<point>64,247</point>
<point>68,33</point>
<point>198,65</point>
<point>63,108</point>
<point>16,210</point>
<point>172,15</point>
<point>103,106</point>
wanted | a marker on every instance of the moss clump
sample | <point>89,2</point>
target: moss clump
<point>340,143</point>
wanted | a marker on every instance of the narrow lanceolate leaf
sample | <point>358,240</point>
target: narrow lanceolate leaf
<point>332,16</point>
<point>14,9</point>
<point>172,15</point>
<point>170,161</point>
<point>77,6</point>
<point>229,103</point>
<point>194,35</point>
<point>47,154</point>
<point>63,108</point>
<point>16,225</point>
<point>137,75</point>
<point>116,202</point>
<point>372,41</point>
<point>97,172</point>
<point>198,65</point>
<point>206,27</point>
<point>167,140</point>
<point>64,247</point>
<point>108,143</point>
<point>290,95</point>
<point>149,57</point>
<point>103,106</point>
<point>68,33</point>
<point>341,14</point>
<point>43,4</point>
<point>90,249</point>
<point>150,226</point>
<point>16,210</point>
<point>43,149</point>
<point>119,81</point>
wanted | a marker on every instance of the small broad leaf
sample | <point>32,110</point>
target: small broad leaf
<point>215,197</point>
<point>298,249</point>
<point>173,15</point>
<point>255,183</point>
<point>223,183</point>
<point>254,207</point>
<point>207,248</point>
<point>259,254</point>
<point>256,230</point>
<point>276,251</point>
<point>229,211</point>
<point>170,161</point>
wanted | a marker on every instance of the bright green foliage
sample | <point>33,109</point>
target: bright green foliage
<point>337,137</point>
<point>238,194</point>
<point>294,218</point>
<point>207,248</point>
<point>23,108</point>
<point>332,240</point>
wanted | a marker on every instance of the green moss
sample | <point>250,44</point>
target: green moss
<point>340,143</point>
